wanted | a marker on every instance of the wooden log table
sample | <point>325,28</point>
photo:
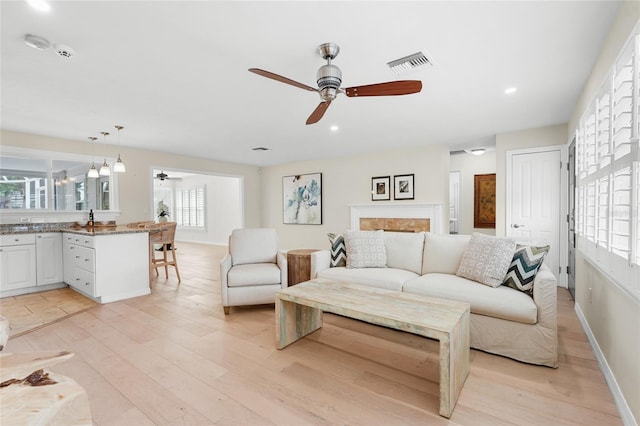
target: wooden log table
<point>299,265</point>
<point>299,312</point>
<point>30,395</point>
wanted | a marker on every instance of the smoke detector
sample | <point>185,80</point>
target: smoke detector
<point>410,63</point>
<point>36,42</point>
<point>64,50</point>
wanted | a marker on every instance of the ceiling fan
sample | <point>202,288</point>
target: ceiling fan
<point>163,176</point>
<point>329,79</point>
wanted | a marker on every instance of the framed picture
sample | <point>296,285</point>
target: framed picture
<point>484,201</point>
<point>302,199</point>
<point>403,187</point>
<point>380,188</point>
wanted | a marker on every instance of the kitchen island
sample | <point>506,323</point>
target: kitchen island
<point>104,263</point>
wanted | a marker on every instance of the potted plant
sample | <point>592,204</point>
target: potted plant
<point>163,211</point>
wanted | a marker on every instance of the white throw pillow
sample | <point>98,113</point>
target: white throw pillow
<point>404,250</point>
<point>443,253</point>
<point>365,249</point>
<point>486,259</point>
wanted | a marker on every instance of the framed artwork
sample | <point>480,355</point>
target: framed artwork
<point>380,188</point>
<point>302,199</point>
<point>484,201</point>
<point>403,187</point>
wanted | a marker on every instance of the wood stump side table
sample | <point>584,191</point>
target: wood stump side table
<point>299,265</point>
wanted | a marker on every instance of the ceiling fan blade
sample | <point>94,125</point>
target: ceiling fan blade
<point>392,88</point>
<point>282,79</point>
<point>317,113</point>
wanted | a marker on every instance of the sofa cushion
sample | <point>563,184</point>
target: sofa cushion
<point>253,245</point>
<point>365,249</point>
<point>404,250</point>
<point>253,274</point>
<point>486,259</point>
<point>338,250</point>
<point>524,266</point>
<point>501,302</point>
<point>387,278</point>
<point>442,253</point>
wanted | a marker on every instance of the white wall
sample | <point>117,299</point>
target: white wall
<point>612,316</point>
<point>224,208</point>
<point>136,185</point>
<point>346,181</point>
<point>470,165</point>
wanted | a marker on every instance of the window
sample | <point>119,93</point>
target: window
<point>190,207</point>
<point>608,175</point>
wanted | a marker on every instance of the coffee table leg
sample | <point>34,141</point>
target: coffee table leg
<point>454,365</point>
<point>294,321</point>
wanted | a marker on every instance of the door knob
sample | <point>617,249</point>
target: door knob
<point>515,225</point>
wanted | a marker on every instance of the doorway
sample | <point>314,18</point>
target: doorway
<point>534,202</point>
<point>206,207</point>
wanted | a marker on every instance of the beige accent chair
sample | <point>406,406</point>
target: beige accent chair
<point>253,270</point>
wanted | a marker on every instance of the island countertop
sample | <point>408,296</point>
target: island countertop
<point>37,228</point>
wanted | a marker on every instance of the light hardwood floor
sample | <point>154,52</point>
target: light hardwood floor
<point>174,358</point>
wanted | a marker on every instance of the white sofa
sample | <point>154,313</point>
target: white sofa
<point>504,321</point>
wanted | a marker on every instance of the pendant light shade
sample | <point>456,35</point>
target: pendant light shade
<point>93,172</point>
<point>105,170</point>
<point>119,166</point>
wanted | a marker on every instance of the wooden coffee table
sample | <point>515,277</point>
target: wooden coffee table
<point>299,312</point>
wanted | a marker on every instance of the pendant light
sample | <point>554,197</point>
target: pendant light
<point>93,172</point>
<point>119,167</point>
<point>105,170</point>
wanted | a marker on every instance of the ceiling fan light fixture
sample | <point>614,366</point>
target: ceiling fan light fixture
<point>410,63</point>
<point>329,79</point>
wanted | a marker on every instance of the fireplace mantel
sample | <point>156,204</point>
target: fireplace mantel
<point>420,211</point>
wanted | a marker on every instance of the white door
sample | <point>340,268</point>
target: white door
<point>49,258</point>
<point>534,202</point>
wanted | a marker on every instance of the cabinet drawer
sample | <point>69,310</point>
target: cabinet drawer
<point>17,239</point>
<point>80,240</point>
<point>84,281</point>
<point>82,257</point>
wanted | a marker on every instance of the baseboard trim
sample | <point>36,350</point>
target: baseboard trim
<point>621,403</point>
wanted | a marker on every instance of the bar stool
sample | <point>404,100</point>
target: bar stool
<point>164,234</point>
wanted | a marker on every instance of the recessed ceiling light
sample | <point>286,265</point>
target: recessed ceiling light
<point>36,42</point>
<point>475,151</point>
<point>40,5</point>
<point>334,128</point>
<point>510,91</point>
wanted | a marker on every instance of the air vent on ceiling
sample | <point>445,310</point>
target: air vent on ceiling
<point>410,63</point>
<point>260,148</point>
<point>457,152</point>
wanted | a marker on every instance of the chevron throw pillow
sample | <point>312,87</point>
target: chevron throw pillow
<point>524,267</point>
<point>338,250</point>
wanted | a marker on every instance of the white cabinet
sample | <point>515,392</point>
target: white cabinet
<point>17,262</point>
<point>107,267</point>
<point>49,258</point>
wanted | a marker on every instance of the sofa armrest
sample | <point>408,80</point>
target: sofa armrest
<point>545,295</point>
<point>320,260</point>
<point>225,266</point>
<point>281,261</point>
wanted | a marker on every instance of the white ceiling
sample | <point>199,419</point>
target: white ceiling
<point>174,73</point>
